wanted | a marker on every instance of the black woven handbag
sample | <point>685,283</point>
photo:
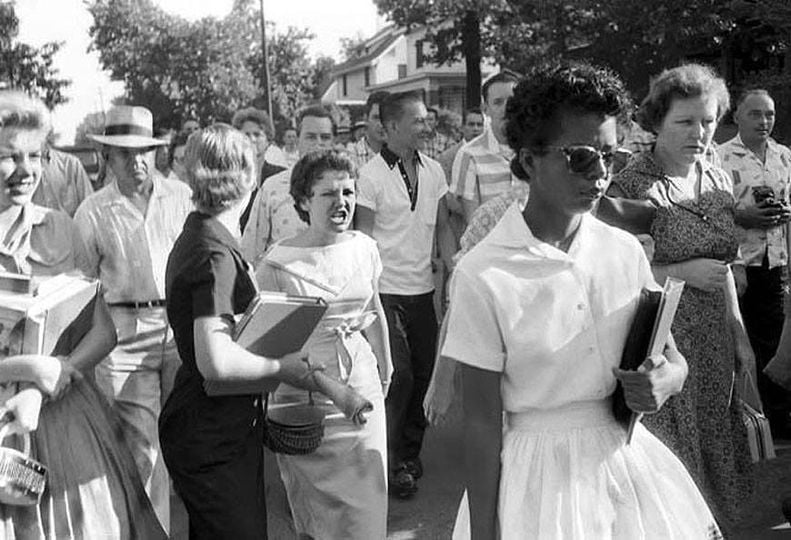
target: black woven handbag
<point>294,431</point>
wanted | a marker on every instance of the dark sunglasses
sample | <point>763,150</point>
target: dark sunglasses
<point>581,159</point>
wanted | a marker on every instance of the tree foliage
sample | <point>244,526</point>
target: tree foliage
<point>26,67</point>
<point>637,39</point>
<point>207,68</point>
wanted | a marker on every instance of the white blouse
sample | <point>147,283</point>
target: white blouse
<point>553,323</point>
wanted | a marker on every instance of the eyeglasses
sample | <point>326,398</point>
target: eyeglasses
<point>581,159</point>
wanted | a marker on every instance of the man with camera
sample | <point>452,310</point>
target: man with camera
<point>761,172</point>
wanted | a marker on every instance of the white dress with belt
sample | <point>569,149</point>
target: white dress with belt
<point>554,324</point>
<point>339,491</point>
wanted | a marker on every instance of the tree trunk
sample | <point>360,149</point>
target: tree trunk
<point>471,46</point>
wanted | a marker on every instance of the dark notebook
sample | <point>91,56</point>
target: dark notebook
<point>635,350</point>
<point>274,324</point>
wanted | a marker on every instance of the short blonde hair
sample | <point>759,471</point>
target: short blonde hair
<point>220,164</point>
<point>684,81</point>
<point>21,111</point>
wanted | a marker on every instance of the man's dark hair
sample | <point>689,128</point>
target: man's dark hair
<point>393,105</point>
<point>502,77</point>
<point>471,110</point>
<point>375,98</point>
<point>316,111</point>
<point>433,110</point>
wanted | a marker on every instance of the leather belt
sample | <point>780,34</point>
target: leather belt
<point>139,305</point>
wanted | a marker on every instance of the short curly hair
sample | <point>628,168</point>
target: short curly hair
<point>310,168</point>
<point>684,81</point>
<point>257,116</point>
<point>221,167</point>
<point>532,113</point>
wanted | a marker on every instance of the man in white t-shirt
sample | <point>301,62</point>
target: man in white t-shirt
<point>401,203</point>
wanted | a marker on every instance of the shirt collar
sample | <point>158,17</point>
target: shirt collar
<point>157,187</point>
<point>742,150</point>
<point>392,159</point>
<point>513,233</point>
<point>644,163</point>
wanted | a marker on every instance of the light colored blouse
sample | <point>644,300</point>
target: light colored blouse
<point>553,323</point>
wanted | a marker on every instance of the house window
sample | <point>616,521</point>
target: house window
<point>419,60</point>
<point>401,71</point>
<point>345,88</point>
<point>367,76</point>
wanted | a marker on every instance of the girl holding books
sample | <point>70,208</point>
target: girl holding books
<point>93,487</point>
<point>540,311</point>
<point>213,445</point>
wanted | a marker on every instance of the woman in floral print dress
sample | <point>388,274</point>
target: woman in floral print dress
<point>695,240</point>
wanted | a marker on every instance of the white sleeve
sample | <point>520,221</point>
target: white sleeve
<point>473,335</point>
<point>367,192</point>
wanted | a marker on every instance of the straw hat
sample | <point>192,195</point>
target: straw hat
<point>129,127</point>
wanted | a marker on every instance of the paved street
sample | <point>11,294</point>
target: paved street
<point>431,513</point>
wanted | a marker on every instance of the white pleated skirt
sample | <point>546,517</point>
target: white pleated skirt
<point>568,474</point>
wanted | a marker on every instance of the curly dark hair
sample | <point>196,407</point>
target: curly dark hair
<point>310,168</point>
<point>531,114</point>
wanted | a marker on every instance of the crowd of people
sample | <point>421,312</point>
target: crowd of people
<point>494,278</point>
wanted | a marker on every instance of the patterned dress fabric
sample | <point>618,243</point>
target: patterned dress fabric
<point>703,424</point>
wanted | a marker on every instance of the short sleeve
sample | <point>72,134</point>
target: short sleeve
<point>376,261</point>
<point>256,233</point>
<point>213,281</point>
<point>441,184</point>
<point>473,336</point>
<point>367,192</point>
<point>88,255</point>
<point>463,176</point>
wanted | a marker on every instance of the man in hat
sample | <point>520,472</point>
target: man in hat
<point>128,229</point>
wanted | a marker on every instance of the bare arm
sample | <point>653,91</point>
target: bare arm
<point>219,358</point>
<point>446,241</point>
<point>483,439</point>
<point>469,207</point>
<point>364,220</point>
<point>98,342</point>
<point>378,336</point>
<point>745,358</point>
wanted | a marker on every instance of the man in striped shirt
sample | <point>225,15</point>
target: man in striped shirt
<point>481,169</point>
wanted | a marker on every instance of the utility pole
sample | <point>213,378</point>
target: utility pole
<point>265,71</point>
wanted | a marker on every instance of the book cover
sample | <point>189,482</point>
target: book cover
<point>655,312</point>
<point>274,324</point>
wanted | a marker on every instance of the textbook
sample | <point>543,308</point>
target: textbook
<point>274,324</point>
<point>647,337</point>
<point>51,320</point>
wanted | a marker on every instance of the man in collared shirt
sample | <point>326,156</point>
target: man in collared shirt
<point>128,229</point>
<point>401,204</point>
<point>760,170</point>
<point>371,143</point>
<point>64,182</point>
<point>482,168</point>
<point>437,142</point>
<point>272,214</point>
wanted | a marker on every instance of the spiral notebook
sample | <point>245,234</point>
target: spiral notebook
<point>274,324</point>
